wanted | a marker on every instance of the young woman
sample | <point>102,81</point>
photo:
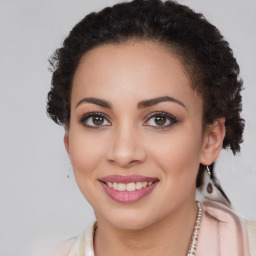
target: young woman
<point>149,93</point>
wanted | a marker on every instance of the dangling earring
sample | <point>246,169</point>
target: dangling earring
<point>209,187</point>
<point>69,172</point>
<point>70,178</point>
<point>213,188</point>
<point>208,170</point>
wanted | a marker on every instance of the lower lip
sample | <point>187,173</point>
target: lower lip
<point>128,196</point>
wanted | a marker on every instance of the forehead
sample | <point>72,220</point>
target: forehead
<point>141,69</point>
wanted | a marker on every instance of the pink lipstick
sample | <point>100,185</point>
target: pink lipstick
<point>128,189</point>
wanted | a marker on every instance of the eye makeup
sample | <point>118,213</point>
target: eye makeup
<point>161,119</point>
<point>156,120</point>
<point>94,120</point>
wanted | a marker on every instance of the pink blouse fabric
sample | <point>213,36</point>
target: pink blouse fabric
<point>222,233</point>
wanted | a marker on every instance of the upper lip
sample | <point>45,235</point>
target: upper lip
<point>127,178</point>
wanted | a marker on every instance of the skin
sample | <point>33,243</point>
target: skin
<point>129,141</point>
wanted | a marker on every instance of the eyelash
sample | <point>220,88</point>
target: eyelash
<point>173,120</point>
<point>85,117</point>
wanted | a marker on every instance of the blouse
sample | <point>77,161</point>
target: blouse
<point>222,233</point>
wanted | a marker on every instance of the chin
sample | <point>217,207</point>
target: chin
<point>131,223</point>
<point>130,219</point>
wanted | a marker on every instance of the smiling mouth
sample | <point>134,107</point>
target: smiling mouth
<point>127,189</point>
<point>132,186</point>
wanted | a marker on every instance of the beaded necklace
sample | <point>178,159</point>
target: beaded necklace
<point>193,243</point>
<point>84,244</point>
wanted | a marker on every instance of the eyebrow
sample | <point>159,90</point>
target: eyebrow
<point>152,102</point>
<point>96,101</point>
<point>140,105</point>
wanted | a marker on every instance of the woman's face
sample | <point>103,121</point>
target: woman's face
<point>134,120</point>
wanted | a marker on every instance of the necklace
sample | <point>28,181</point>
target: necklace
<point>193,243</point>
<point>84,243</point>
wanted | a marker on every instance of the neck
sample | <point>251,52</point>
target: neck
<point>170,236</point>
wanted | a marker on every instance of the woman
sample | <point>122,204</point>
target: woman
<point>149,93</point>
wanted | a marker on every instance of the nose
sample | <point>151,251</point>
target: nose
<point>127,148</point>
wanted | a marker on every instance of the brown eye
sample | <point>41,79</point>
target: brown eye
<point>94,120</point>
<point>160,120</point>
<point>98,120</point>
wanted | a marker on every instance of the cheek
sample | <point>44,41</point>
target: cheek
<point>178,157</point>
<point>85,154</point>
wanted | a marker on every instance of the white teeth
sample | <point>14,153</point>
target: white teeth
<point>138,185</point>
<point>110,184</point>
<point>115,186</point>
<point>121,187</point>
<point>132,186</point>
<point>144,184</point>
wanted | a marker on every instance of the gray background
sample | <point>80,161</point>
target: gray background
<point>38,204</point>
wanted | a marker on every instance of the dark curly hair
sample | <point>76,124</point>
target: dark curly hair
<point>206,56</point>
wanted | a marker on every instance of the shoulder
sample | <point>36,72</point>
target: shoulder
<point>251,227</point>
<point>220,212</point>
<point>228,229</point>
<point>83,244</point>
<point>65,248</point>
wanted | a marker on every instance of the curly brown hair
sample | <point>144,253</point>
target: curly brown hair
<point>205,54</point>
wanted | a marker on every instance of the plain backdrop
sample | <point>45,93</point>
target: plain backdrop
<point>38,204</point>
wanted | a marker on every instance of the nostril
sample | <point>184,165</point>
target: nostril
<point>124,164</point>
<point>126,149</point>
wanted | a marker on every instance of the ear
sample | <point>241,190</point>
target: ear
<point>212,142</point>
<point>66,140</point>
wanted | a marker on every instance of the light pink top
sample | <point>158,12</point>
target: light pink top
<point>222,233</point>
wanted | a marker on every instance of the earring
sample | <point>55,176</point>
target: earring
<point>209,187</point>
<point>208,170</point>
<point>69,172</point>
